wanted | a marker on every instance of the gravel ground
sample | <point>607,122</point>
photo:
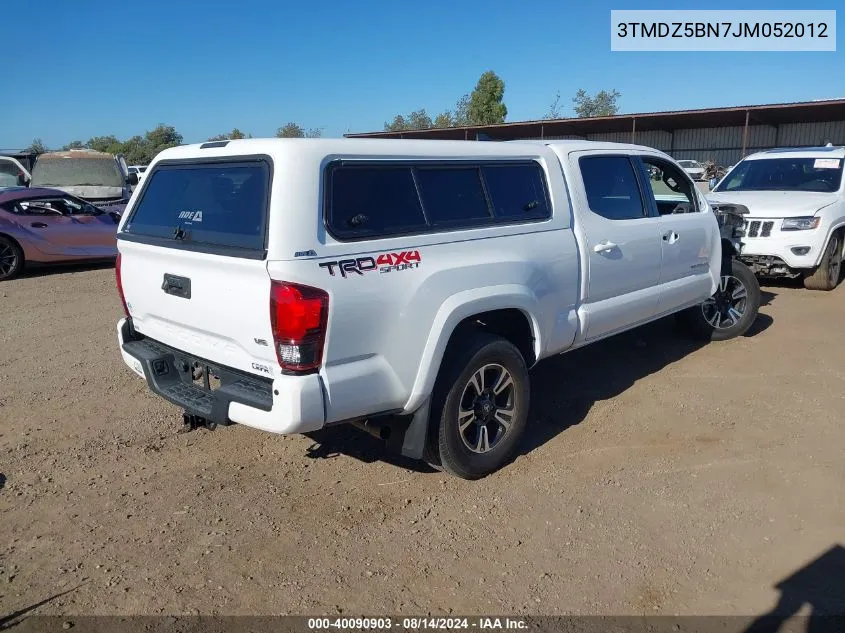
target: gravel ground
<point>659,477</point>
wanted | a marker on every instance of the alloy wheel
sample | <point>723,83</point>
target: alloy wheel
<point>8,259</point>
<point>727,305</point>
<point>835,262</point>
<point>487,408</point>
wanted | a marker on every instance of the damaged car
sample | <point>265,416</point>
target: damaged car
<point>47,226</point>
<point>100,178</point>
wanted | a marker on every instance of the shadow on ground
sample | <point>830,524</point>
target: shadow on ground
<point>563,388</point>
<point>820,584</point>
<point>42,270</point>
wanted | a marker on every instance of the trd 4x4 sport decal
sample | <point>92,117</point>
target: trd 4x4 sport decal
<point>383,262</point>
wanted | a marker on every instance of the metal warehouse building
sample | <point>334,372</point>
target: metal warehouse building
<point>721,134</point>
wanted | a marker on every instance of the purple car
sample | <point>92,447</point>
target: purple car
<point>40,225</point>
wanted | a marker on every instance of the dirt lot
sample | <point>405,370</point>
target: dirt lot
<point>659,477</point>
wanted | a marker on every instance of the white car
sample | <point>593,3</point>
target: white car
<point>140,170</point>
<point>405,286</point>
<point>694,169</point>
<point>796,222</point>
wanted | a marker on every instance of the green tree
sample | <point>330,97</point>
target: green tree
<point>461,117</point>
<point>419,120</point>
<point>444,119</point>
<point>37,146</point>
<point>73,145</point>
<point>294,130</point>
<point>290,130</point>
<point>554,109</point>
<point>163,137</point>
<point>110,144</point>
<point>137,151</point>
<point>231,136</point>
<point>397,125</point>
<point>602,104</point>
<point>416,120</point>
<point>485,102</point>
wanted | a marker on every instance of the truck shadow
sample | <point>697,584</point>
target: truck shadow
<point>347,440</point>
<point>565,388</point>
<point>41,270</point>
<point>820,584</point>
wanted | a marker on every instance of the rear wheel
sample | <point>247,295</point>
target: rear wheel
<point>11,258</point>
<point>826,275</point>
<point>730,311</point>
<point>482,400</point>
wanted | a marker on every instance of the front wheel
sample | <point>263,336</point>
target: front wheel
<point>483,398</point>
<point>826,275</point>
<point>730,311</point>
<point>11,258</point>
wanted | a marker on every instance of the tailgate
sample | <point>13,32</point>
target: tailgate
<point>193,267</point>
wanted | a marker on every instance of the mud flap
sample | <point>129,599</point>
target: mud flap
<point>412,441</point>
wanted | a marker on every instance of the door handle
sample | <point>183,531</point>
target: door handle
<point>603,247</point>
<point>38,225</point>
<point>671,237</point>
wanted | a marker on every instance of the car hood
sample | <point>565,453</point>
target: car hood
<point>775,204</point>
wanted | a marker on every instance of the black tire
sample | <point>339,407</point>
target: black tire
<point>826,275</point>
<point>11,258</point>
<point>455,391</point>
<point>731,311</point>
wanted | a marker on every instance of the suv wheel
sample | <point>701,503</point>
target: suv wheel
<point>826,275</point>
<point>484,393</point>
<point>11,258</point>
<point>730,311</point>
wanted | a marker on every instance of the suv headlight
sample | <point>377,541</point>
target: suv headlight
<point>800,224</point>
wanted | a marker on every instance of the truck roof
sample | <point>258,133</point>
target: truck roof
<point>326,147</point>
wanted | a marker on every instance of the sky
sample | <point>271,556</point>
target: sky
<point>97,67</point>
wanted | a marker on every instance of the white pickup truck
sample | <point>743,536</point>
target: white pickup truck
<point>406,286</point>
<point>795,226</point>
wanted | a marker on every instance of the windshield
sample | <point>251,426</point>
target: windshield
<point>76,172</point>
<point>784,174</point>
<point>688,163</point>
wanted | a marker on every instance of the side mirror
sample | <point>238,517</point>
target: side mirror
<point>712,183</point>
<point>132,179</point>
<point>23,181</point>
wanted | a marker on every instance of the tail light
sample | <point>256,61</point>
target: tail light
<point>298,315</point>
<point>120,285</point>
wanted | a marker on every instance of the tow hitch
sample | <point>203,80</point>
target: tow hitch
<point>191,422</point>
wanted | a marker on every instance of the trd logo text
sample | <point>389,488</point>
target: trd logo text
<point>384,263</point>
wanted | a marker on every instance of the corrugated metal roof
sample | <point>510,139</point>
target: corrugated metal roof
<point>766,114</point>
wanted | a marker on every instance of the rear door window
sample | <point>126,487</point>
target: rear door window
<point>220,204</point>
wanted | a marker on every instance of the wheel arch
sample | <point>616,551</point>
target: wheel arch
<point>507,311</point>
<point>728,253</point>
<point>839,227</point>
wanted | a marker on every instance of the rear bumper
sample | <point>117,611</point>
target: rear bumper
<point>286,404</point>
